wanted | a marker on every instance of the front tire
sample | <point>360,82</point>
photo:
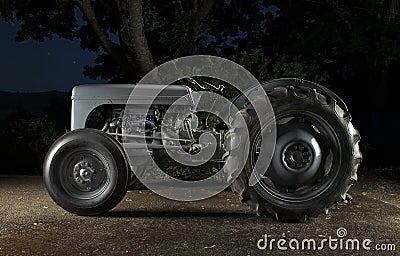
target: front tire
<point>85,172</point>
<point>315,159</point>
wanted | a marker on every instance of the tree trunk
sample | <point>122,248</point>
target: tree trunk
<point>133,36</point>
<point>380,92</point>
<point>119,57</point>
<point>136,58</point>
<point>395,9</point>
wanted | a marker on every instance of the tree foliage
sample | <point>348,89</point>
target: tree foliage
<point>338,42</point>
<point>24,142</point>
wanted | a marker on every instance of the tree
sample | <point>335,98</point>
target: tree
<point>116,29</point>
<point>340,43</point>
<point>120,30</point>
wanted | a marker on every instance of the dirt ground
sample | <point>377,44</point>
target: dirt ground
<point>146,224</point>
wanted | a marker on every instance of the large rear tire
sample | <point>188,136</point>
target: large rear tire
<point>85,172</point>
<point>315,159</point>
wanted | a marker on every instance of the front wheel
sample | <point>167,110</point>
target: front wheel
<point>85,172</point>
<point>315,159</point>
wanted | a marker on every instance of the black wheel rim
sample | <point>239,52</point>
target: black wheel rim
<point>306,160</point>
<point>84,173</point>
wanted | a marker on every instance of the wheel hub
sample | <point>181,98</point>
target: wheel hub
<point>83,173</point>
<point>297,156</point>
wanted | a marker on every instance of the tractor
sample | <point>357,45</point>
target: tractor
<point>88,170</point>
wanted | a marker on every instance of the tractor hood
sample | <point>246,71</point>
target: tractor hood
<point>86,98</point>
<point>120,93</point>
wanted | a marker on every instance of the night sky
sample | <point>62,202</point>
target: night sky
<point>31,66</point>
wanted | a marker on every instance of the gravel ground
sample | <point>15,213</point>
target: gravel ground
<point>146,224</point>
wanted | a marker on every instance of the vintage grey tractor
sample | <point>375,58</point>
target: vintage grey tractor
<point>314,163</point>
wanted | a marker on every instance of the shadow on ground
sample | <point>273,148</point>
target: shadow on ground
<point>146,224</point>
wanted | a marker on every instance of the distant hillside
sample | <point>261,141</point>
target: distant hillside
<point>56,105</point>
<point>32,104</point>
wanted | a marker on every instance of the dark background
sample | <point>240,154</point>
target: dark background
<point>47,47</point>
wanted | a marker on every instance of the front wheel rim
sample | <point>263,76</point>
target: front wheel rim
<point>85,173</point>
